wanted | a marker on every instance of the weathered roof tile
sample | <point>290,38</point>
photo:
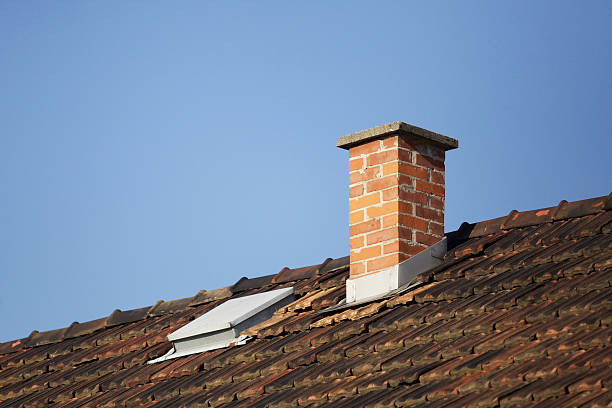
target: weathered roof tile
<point>121,317</point>
<point>519,309</point>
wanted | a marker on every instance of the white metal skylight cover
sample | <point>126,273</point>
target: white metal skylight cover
<point>222,325</point>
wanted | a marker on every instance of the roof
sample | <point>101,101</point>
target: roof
<point>518,313</point>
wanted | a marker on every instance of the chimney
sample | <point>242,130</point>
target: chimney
<point>396,206</point>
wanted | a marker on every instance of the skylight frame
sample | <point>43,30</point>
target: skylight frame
<point>221,326</point>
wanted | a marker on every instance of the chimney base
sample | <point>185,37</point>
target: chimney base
<point>373,285</point>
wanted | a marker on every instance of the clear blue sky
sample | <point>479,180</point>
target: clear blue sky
<point>152,149</point>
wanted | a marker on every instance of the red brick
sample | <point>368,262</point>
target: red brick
<point>437,177</point>
<point>356,191</point>
<point>404,207</point>
<point>390,168</point>
<point>389,142</point>
<point>390,220</point>
<point>404,168</point>
<point>426,239</point>
<point>391,247</point>
<point>406,247</point>
<point>433,215</point>
<point>436,229</point>
<point>363,202</point>
<point>381,183</point>
<point>357,268</point>
<point>385,261</point>
<point>355,164</point>
<point>357,242</point>
<point>411,249</point>
<point>391,193</point>
<point>404,155</point>
<point>429,163</point>
<point>409,221</point>
<point>412,197</point>
<point>412,170</point>
<point>366,148</point>
<point>386,208</point>
<point>381,157</point>
<point>356,216</point>
<point>363,227</point>
<point>426,187</point>
<point>391,217</point>
<point>360,176</point>
<point>406,181</point>
<point>436,203</point>
<point>365,253</point>
<point>383,235</point>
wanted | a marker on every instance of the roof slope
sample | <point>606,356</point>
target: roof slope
<point>519,313</point>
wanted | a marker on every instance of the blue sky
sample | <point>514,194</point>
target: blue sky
<point>152,149</point>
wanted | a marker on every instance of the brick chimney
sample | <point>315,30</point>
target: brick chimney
<point>396,199</point>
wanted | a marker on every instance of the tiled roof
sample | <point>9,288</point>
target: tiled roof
<point>519,313</point>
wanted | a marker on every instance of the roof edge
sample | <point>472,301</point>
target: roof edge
<point>160,308</point>
<point>519,219</point>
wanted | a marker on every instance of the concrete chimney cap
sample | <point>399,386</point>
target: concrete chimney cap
<point>348,141</point>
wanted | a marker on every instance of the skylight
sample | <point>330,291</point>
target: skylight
<point>222,325</point>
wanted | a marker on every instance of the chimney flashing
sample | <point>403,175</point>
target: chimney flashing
<point>371,286</point>
<point>354,139</point>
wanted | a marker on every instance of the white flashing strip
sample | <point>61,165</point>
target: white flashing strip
<point>172,353</point>
<point>371,286</point>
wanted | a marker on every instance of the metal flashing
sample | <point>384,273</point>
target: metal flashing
<point>396,292</point>
<point>361,289</point>
<point>221,326</point>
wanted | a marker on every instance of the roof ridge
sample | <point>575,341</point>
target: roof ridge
<point>161,307</point>
<point>519,219</point>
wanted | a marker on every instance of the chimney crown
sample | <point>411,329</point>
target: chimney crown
<point>396,199</point>
<point>363,136</point>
